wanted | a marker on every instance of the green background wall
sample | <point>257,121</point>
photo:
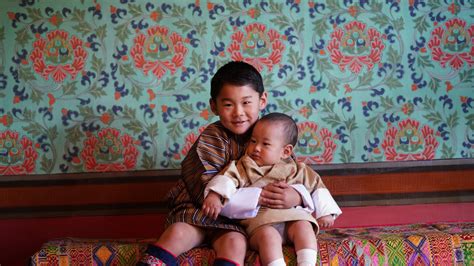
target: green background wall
<point>124,85</point>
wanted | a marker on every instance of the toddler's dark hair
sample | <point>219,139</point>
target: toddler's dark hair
<point>289,126</point>
<point>236,73</point>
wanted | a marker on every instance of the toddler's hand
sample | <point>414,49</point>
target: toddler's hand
<point>326,221</point>
<point>212,205</point>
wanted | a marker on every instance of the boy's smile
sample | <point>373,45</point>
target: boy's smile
<point>238,107</point>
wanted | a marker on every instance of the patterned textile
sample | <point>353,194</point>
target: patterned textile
<point>420,244</point>
<point>209,154</point>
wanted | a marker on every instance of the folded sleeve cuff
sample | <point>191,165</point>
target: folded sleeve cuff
<point>325,204</point>
<point>243,204</point>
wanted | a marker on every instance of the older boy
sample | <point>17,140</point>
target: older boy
<point>237,97</point>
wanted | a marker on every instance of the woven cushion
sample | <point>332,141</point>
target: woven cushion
<point>422,244</point>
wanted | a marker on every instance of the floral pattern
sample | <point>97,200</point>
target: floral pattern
<point>157,52</point>
<point>453,45</point>
<point>124,85</point>
<point>409,142</point>
<point>257,46</point>
<point>355,47</point>
<point>17,156</point>
<point>58,56</point>
<point>315,147</point>
<point>108,151</point>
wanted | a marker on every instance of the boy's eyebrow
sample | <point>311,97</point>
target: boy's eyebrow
<point>229,99</point>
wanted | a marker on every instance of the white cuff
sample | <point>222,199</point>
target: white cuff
<point>308,204</point>
<point>222,185</point>
<point>243,204</point>
<point>325,204</point>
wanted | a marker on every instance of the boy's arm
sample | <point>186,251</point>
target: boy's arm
<point>280,195</point>
<point>245,202</point>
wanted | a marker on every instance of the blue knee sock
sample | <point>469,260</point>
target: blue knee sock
<point>162,254</point>
<point>224,262</point>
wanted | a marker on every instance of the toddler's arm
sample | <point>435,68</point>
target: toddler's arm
<point>212,205</point>
<point>326,221</point>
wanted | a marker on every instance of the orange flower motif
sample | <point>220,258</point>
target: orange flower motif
<point>353,10</point>
<point>108,151</point>
<point>314,146</point>
<point>17,156</point>
<point>257,46</point>
<point>58,56</point>
<point>355,47</point>
<point>409,142</point>
<point>452,44</point>
<point>158,51</point>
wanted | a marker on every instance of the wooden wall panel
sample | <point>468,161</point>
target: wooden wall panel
<point>145,191</point>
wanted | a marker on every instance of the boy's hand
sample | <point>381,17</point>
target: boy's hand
<point>279,195</point>
<point>212,205</point>
<point>326,221</point>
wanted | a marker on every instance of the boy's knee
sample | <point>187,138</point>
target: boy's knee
<point>302,227</point>
<point>178,232</point>
<point>234,241</point>
<point>267,234</point>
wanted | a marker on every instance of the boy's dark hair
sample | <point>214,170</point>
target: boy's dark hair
<point>236,73</point>
<point>289,126</point>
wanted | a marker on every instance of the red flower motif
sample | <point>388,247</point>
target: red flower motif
<point>257,46</point>
<point>355,47</point>
<point>157,52</point>
<point>58,56</point>
<point>453,45</point>
<point>109,152</point>
<point>311,142</point>
<point>17,157</point>
<point>190,139</point>
<point>408,142</point>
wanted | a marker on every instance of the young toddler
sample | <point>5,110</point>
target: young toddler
<point>269,158</point>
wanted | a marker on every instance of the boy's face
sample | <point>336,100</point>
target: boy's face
<point>267,145</point>
<point>238,107</point>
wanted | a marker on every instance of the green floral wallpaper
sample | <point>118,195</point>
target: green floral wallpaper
<point>124,85</point>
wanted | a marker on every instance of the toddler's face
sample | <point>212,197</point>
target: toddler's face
<point>238,107</point>
<point>267,145</point>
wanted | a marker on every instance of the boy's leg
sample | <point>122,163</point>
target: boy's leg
<point>268,242</point>
<point>176,239</point>
<point>302,234</point>
<point>230,247</point>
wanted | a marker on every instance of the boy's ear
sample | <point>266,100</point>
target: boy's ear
<point>263,100</point>
<point>287,151</point>
<point>213,106</point>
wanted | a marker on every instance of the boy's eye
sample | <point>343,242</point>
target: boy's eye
<point>247,102</point>
<point>266,144</point>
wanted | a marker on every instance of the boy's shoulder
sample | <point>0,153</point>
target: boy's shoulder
<point>215,129</point>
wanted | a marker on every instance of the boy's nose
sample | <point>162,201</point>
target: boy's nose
<point>238,110</point>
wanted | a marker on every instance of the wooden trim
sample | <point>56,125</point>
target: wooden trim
<point>145,191</point>
<point>173,174</point>
<point>401,182</point>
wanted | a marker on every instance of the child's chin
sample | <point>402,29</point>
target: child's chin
<point>240,130</point>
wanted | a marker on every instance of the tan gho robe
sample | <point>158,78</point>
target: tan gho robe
<point>246,173</point>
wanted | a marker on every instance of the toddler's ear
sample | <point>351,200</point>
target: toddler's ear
<point>287,151</point>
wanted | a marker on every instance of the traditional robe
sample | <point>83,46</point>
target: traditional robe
<point>246,173</point>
